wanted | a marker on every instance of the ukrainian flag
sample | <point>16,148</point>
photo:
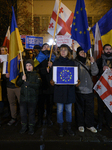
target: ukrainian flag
<point>80,29</point>
<point>105,26</point>
<point>41,57</point>
<point>15,47</point>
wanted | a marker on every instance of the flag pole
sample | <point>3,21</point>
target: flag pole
<point>55,29</point>
<point>22,62</point>
<point>91,52</point>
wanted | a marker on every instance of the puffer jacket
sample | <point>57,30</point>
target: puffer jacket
<point>29,92</point>
<point>85,77</point>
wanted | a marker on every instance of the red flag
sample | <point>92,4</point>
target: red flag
<point>104,88</point>
<point>64,21</point>
<point>7,39</point>
<point>98,43</point>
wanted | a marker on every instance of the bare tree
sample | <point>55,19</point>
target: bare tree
<point>23,16</point>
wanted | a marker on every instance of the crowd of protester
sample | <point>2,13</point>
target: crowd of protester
<point>36,92</point>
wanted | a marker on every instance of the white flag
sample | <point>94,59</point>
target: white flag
<point>104,88</point>
<point>64,20</point>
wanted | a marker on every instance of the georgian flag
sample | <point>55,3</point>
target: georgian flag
<point>64,20</point>
<point>98,43</point>
<point>104,88</point>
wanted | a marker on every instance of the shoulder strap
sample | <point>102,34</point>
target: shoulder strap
<point>84,67</point>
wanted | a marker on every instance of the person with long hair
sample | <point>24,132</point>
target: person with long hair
<point>64,95</point>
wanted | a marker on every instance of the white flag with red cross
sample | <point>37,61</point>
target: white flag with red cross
<point>104,88</point>
<point>98,43</point>
<point>64,20</point>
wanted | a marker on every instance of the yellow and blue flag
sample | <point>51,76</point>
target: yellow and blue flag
<point>80,29</point>
<point>105,26</point>
<point>15,47</point>
<point>41,57</point>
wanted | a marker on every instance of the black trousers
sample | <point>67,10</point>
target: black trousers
<point>28,108</point>
<point>48,100</point>
<point>4,95</point>
<point>103,112</point>
<point>84,109</point>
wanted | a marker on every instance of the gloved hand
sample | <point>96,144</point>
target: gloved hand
<point>52,82</point>
<point>78,83</point>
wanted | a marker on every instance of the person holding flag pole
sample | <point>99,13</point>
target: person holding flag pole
<point>63,100</point>
<point>13,68</point>
<point>43,62</point>
<point>28,82</point>
<point>84,91</point>
<point>103,63</point>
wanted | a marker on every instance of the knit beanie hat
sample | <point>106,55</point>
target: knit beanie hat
<point>44,44</point>
<point>82,59</point>
<point>37,47</point>
<point>30,61</point>
<point>78,50</point>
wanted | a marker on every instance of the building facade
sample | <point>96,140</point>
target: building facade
<point>42,11</point>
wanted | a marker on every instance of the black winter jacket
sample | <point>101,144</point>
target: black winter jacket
<point>29,92</point>
<point>103,61</point>
<point>46,87</point>
<point>64,93</point>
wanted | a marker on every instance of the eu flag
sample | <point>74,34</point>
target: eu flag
<point>80,29</point>
<point>15,47</point>
<point>65,75</point>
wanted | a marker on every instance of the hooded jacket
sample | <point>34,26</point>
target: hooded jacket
<point>30,88</point>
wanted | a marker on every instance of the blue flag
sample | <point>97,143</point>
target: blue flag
<point>80,29</point>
